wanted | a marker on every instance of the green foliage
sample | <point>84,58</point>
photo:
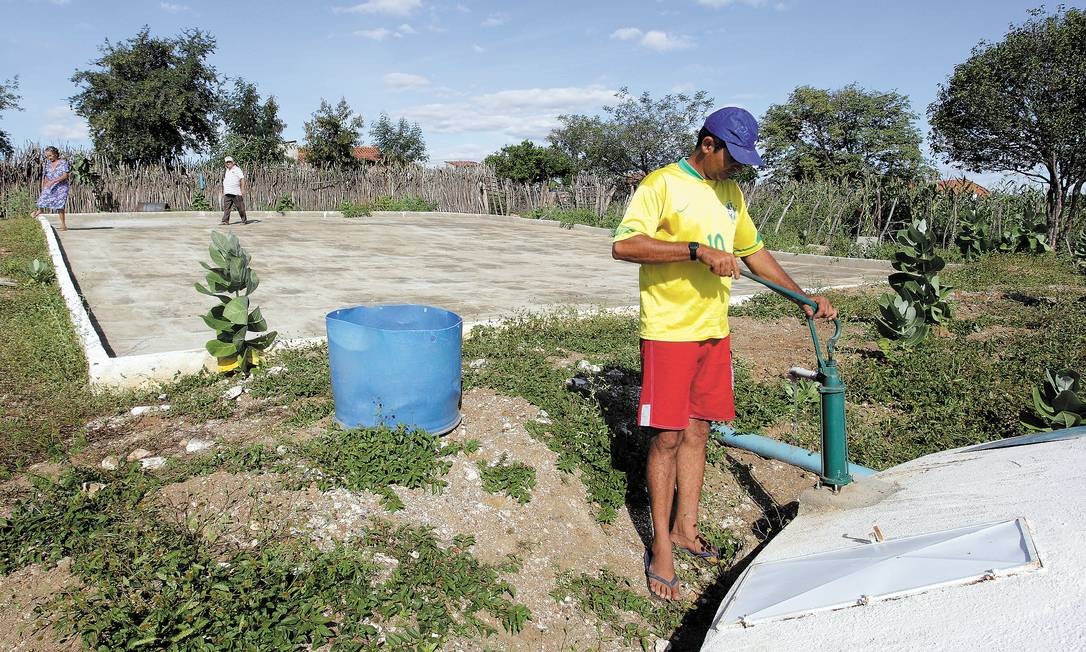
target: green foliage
<point>150,99</point>
<point>568,217</point>
<point>613,600</point>
<point>15,202</point>
<point>802,393</point>
<point>401,143</point>
<point>921,297</point>
<point>529,163</point>
<point>284,203</point>
<point>351,210</point>
<point>972,238</point>
<point>231,281</point>
<point>1029,235</point>
<point>1078,252</point>
<point>254,131</point>
<point>8,100</point>
<point>146,582</point>
<point>639,133</point>
<point>332,135</point>
<point>199,201</point>
<point>1060,402</point>
<point>374,459</point>
<point>514,479</point>
<point>40,272</point>
<point>410,204</point>
<point>1015,106</point>
<point>843,134</point>
<point>84,173</point>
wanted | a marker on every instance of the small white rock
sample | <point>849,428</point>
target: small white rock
<point>195,445</point>
<point>162,397</point>
<point>276,370</point>
<point>478,363</point>
<point>233,392</point>
<point>470,473</point>
<point>280,449</point>
<point>138,454</point>
<point>109,463</point>
<point>140,410</point>
<point>585,365</point>
<point>91,488</point>
<point>153,462</point>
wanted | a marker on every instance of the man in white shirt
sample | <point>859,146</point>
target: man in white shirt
<point>233,191</point>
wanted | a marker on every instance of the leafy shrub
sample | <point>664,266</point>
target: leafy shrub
<point>352,210</point>
<point>284,204</point>
<point>231,282</point>
<point>515,479</point>
<point>1078,252</point>
<point>16,203</point>
<point>410,204</point>
<point>1060,402</point>
<point>199,201</point>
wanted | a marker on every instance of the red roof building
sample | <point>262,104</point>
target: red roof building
<point>962,186</point>
<point>367,154</point>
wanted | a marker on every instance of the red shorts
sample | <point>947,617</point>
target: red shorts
<point>685,380</point>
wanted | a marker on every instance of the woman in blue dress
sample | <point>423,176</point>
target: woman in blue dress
<point>54,185</point>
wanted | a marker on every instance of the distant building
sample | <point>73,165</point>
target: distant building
<point>463,164</point>
<point>367,154</point>
<point>962,186</point>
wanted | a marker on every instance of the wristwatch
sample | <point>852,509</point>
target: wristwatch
<point>694,250</point>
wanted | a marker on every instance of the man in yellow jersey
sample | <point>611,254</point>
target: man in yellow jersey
<point>687,226</point>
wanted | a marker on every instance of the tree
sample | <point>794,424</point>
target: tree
<point>843,134</point>
<point>401,143</point>
<point>8,100</point>
<point>1019,106</point>
<point>639,134</point>
<point>332,135</point>
<point>150,99</point>
<point>254,132</point>
<point>528,162</point>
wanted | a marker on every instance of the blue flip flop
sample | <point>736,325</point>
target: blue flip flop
<point>709,553</point>
<point>651,577</point>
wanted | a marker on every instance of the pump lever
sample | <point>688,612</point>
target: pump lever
<point>801,372</point>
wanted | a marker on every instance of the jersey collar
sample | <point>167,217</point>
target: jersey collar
<point>685,166</point>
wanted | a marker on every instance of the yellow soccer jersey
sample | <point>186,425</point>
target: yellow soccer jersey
<point>685,301</point>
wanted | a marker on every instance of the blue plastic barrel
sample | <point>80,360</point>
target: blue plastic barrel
<point>396,365</point>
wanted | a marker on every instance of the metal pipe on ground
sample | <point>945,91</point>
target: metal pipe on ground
<point>778,450</point>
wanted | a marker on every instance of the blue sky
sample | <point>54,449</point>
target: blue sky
<point>477,75</point>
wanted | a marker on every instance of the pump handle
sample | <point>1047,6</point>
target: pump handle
<point>803,301</point>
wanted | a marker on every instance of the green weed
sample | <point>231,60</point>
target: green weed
<point>514,479</point>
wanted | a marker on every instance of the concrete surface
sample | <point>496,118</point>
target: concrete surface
<point>1033,610</point>
<point>136,271</point>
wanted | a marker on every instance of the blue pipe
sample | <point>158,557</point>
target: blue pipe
<point>778,450</point>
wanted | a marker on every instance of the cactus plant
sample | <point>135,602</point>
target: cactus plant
<point>1059,402</point>
<point>199,201</point>
<point>972,238</point>
<point>231,281</point>
<point>900,320</point>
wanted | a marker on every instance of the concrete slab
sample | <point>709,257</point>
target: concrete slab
<point>136,271</point>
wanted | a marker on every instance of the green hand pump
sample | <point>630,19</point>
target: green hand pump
<point>830,389</point>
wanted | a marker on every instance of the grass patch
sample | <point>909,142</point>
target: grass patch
<point>568,217</point>
<point>146,583</point>
<point>43,375</point>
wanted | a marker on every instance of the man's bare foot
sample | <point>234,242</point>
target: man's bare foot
<point>658,568</point>
<point>695,544</point>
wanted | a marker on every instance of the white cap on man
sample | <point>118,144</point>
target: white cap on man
<point>229,159</point>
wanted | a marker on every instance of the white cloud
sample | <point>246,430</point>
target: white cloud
<point>172,8</point>
<point>724,3</point>
<point>378,34</point>
<point>404,80</point>
<point>626,33</point>
<point>515,114</point>
<point>389,7</point>
<point>406,29</point>
<point>494,20</point>
<point>64,125</point>
<point>478,48</point>
<point>653,39</point>
<point>59,2</point>
<point>663,42</point>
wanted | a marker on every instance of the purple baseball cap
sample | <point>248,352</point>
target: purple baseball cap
<point>739,131</point>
